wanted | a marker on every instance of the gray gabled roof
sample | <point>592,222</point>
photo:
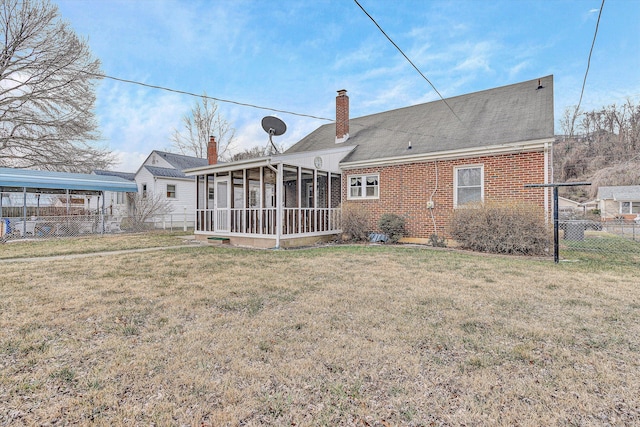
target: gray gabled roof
<point>619,192</point>
<point>181,162</point>
<point>508,114</point>
<point>166,172</point>
<point>129,176</point>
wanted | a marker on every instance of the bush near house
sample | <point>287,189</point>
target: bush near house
<point>511,228</point>
<point>355,223</point>
<point>393,226</point>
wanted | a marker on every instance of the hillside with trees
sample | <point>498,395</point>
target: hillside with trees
<point>600,146</point>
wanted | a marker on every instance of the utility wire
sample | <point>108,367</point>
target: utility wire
<point>256,106</point>
<point>206,96</point>
<point>407,58</point>
<point>584,82</point>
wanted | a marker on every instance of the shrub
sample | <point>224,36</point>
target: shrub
<point>437,241</point>
<point>355,223</point>
<point>393,226</point>
<point>517,229</point>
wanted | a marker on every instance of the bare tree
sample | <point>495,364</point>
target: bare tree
<point>601,146</point>
<point>145,206</point>
<point>257,151</point>
<point>204,121</point>
<point>47,92</point>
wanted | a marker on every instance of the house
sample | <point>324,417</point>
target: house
<point>568,207</point>
<point>160,174</point>
<point>421,162</point>
<point>622,201</point>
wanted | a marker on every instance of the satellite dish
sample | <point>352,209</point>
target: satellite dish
<point>273,126</point>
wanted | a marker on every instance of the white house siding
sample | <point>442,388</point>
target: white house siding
<point>185,195</point>
<point>145,177</point>
<point>156,160</point>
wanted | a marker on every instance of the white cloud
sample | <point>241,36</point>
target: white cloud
<point>139,121</point>
<point>129,161</point>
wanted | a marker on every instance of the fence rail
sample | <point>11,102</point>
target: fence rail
<point>45,227</point>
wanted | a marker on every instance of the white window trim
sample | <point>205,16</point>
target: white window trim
<point>175,191</point>
<point>630,210</point>
<point>364,188</point>
<point>455,182</point>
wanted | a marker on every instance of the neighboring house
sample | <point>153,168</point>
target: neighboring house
<point>421,162</point>
<point>568,207</point>
<point>160,174</point>
<point>117,204</point>
<point>622,201</point>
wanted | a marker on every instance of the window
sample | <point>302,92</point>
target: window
<point>468,185</point>
<point>121,198</point>
<point>629,207</point>
<point>364,187</point>
<point>144,191</point>
<point>171,191</point>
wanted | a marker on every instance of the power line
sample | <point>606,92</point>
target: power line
<point>584,82</point>
<point>243,104</point>
<point>407,58</point>
<point>256,106</point>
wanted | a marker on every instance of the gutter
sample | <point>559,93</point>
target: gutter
<point>519,147</point>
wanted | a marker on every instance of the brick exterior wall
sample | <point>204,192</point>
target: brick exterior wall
<point>405,189</point>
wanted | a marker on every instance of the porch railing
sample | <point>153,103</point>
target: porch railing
<point>256,221</point>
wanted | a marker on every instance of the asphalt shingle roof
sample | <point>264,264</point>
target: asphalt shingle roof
<point>620,192</point>
<point>166,172</point>
<point>129,176</point>
<point>181,162</point>
<point>508,114</point>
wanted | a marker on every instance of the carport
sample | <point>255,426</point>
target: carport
<point>59,183</point>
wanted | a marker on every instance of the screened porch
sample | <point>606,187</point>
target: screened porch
<point>242,199</point>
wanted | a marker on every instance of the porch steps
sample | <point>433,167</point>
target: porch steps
<point>219,240</point>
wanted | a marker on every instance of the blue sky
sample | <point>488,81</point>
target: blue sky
<point>295,55</point>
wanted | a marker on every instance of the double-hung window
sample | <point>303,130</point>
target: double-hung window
<point>171,191</point>
<point>468,185</point>
<point>364,187</point>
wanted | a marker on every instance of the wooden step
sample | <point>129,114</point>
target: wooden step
<point>219,240</point>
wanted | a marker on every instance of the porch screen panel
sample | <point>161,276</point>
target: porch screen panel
<point>253,194</point>
<point>322,189</point>
<point>290,184</point>
<point>307,188</point>
<point>269,197</point>
<point>269,179</point>
<point>238,190</point>
<point>336,192</point>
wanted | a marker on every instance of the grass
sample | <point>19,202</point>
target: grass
<point>345,335</point>
<point>81,245</point>
<point>602,247</point>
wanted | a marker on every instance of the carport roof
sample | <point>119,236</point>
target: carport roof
<point>25,178</point>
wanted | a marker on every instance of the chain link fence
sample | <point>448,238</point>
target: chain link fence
<point>48,227</point>
<point>596,237</point>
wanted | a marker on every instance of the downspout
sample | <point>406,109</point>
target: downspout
<point>430,203</point>
<point>547,158</point>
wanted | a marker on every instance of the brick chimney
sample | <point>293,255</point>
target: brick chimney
<point>212,151</point>
<point>342,116</point>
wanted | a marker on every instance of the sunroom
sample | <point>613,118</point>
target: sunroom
<point>271,202</point>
